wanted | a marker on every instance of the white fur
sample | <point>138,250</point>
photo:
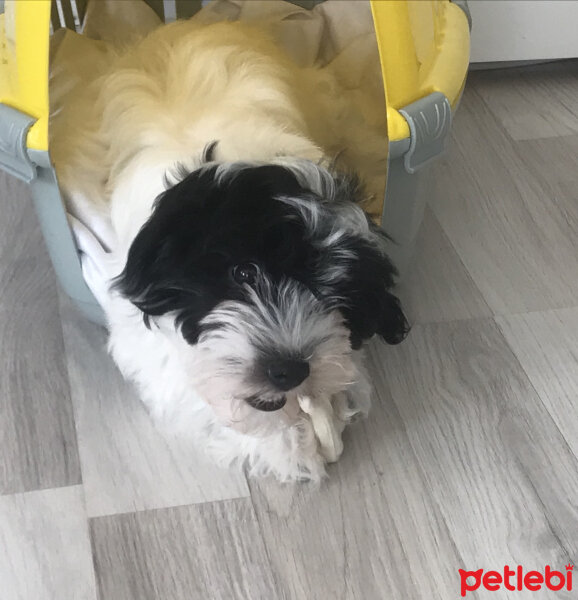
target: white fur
<point>115,146</point>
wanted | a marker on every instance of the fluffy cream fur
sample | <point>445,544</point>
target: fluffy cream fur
<point>115,143</point>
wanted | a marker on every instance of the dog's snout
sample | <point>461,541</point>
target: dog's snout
<point>286,374</point>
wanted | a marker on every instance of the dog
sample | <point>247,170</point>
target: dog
<point>242,273</point>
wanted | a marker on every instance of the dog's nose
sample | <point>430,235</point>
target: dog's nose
<point>286,374</point>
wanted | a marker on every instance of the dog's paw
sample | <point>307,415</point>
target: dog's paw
<point>310,469</point>
<point>297,467</point>
<point>290,455</point>
<point>349,407</point>
<point>303,461</point>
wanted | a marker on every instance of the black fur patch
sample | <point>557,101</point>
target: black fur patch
<point>182,259</point>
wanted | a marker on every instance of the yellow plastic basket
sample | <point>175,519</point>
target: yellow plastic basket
<point>423,45</point>
<point>24,34</point>
<point>424,51</point>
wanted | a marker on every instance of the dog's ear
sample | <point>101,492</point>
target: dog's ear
<point>394,325</point>
<point>370,308</point>
<point>161,274</point>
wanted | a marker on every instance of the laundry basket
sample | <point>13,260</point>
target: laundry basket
<point>424,51</point>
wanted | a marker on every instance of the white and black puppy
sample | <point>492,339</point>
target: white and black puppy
<point>242,273</point>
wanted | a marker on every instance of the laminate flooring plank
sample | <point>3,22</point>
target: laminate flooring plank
<point>127,462</point>
<point>371,531</point>
<point>496,464</point>
<point>437,286</point>
<point>45,551</point>
<point>532,102</point>
<point>37,436</point>
<point>26,272</point>
<point>209,551</point>
<point>516,239</point>
<point>553,162</point>
<point>546,344</point>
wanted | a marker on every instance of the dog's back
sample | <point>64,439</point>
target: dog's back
<point>180,87</point>
<point>162,101</point>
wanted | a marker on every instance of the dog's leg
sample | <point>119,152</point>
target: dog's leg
<point>290,454</point>
<point>354,403</point>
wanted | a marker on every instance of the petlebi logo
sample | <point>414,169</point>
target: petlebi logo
<point>516,579</point>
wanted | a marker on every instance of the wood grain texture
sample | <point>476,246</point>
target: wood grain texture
<point>437,286</point>
<point>546,344</point>
<point>532,102</point>
<point>495,463</point>
<point>45,549</point>
<point>209,551</point>
<point>37,437</point>
<point>127,463</point>
<point>371,531</point>
<point>26,272</point>
<point>517,241</point>
<point>553,162</point>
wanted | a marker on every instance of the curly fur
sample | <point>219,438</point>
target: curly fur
<point>201,149</point>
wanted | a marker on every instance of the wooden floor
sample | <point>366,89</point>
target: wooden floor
<point>468,461</point>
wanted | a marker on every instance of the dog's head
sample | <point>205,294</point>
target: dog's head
<point>272,273</point>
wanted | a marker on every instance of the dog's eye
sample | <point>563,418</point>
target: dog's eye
<point>245,273</point>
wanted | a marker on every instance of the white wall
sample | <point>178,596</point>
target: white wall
<point>513,30</point>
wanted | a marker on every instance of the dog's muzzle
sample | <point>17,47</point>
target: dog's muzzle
<point>287,373</point>
<point>266,405</point>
